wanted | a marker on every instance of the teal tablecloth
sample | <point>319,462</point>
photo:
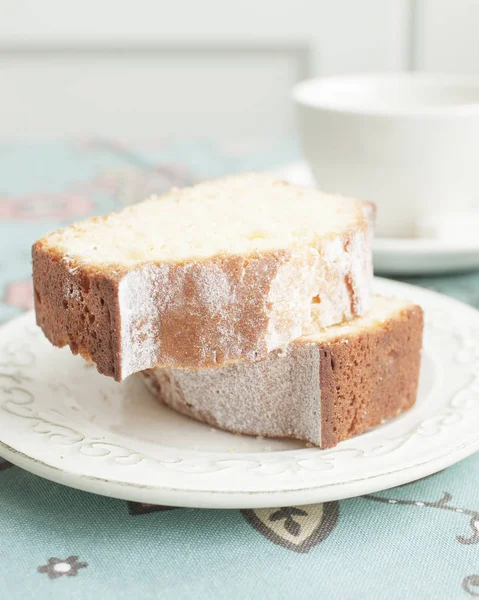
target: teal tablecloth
<point>417,541</point>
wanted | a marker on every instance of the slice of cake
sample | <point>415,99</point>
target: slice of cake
<point>203,276</point>
<point>324,388</point>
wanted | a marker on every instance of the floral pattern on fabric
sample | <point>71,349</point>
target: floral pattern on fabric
<point>297,528</point>
<point>56,567</point>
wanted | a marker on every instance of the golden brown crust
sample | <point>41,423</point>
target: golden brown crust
<point>78,305</point>
<point>366,377</point>
<point>188,334</point>
<point>77,309</point>
<point>372,377</point>
<point>200,314</point>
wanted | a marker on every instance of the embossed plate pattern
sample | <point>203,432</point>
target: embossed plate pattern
<point>63,421</point>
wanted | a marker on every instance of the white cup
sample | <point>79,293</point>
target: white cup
<point>408,142</point>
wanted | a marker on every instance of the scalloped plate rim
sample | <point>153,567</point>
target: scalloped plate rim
<point>256,498</point>
<point>212,499</point>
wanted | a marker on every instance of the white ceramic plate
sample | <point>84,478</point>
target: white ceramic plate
<point>63,421</point>
<point>405,256</point>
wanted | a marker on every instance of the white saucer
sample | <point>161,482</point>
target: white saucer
<point>396,256</point>
<point>423,257</point>
<point>63,421</point>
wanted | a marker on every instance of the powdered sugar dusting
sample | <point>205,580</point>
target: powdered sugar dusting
<point>280,396</point>
<point>139,313</point>
<point>224,310</point>
<point>338,275</point>
<point>213,288</point>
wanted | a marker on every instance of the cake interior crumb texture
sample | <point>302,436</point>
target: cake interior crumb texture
<point>234,215</point>
<point>324,388</point>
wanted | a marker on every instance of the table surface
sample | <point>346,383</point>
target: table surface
<point>417,541</point>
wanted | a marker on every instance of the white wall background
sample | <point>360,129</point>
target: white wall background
<point>147,69</point>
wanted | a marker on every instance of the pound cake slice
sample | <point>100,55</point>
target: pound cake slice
<point>324,388</point>
<point>203,276</point>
